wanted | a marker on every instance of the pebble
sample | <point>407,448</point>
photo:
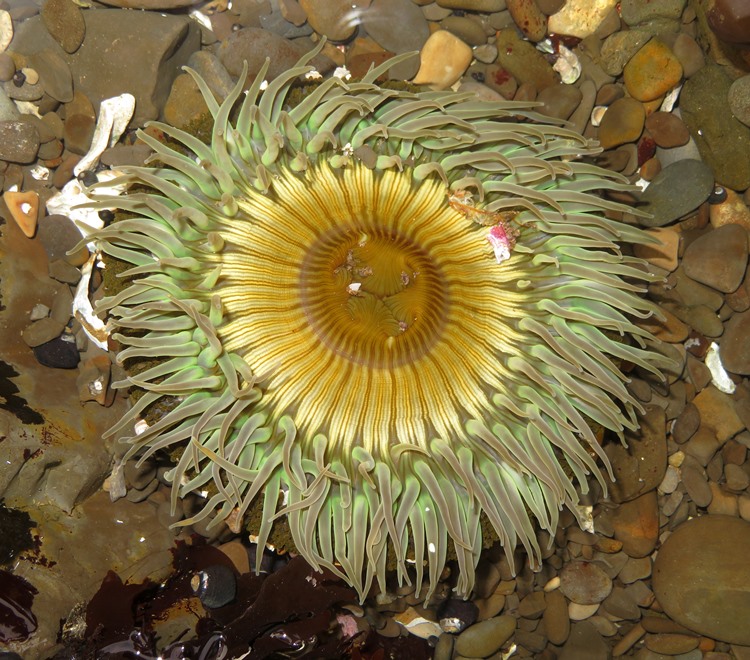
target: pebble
<point>42,331</point>
<point>620,604</point>
<point>735,355</point>
<point>723,141</point>
<point>55,74</point>
<point>64,21</point>
<point>652,71</point>
<point>555,618</point>
<point>696,485</point>
<point>529,19</point>
<point>686,424</point>
<point>332,18</point>
<point>667,130</point>
<point>662,254</point>
<point>524,62</point>
<point>636,568</point>
<point>6,29</point>
<point>486,637</point>
<point>19,141</point>
<point>730,20</point>
<point>639,467</point>
<point>58,353</point>
<point>622,122</point>
<point>443,60</point>
<point>485,6</point>
<point>559,101</point>
<point>732,211</point>
<point>651,15</point>
<point>678,189</point>
<point>584,641</point>
<point>465,29</point>
<point>619,47</point>
<point>718,413</point>
<point>739,99</point>
<point>580,18</point>
<point>702,577</point>
<point>636,524</point>
<point>584,583</point>
<point>690,54</point>
<point>671,643</point>
<point>7,67</point>
<point>718,258</point>
<point>185,103</point>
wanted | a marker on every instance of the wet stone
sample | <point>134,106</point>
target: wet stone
<point>623,122</point>
<point>696,486</point>
<point>739,99</point>
<point>667,129</point>
<point>671,643</point>
<point>652,71</point>
<point>59,353</point>
<point>620,604</point>
<point>486,637</point>
<point>64,21</point>
<point>723,141</point>
<point>686,424</point>
<point>584,641</point>
<point>676,191</point>
<point>584,583</point>
<point>718,258</point>
<point>702,577</point>
<point>19,141</point>
<point>735,355</point>
<point>637,524</point>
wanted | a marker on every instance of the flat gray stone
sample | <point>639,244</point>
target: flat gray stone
<point>676,191</point>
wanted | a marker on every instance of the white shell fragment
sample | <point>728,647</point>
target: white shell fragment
<point>114,115</point>
<point>6,30</point>
<point>71,199</point>
<point>39,172</point>
<point>92,325</point>
<point>567,65</point>
<point>719,377</point>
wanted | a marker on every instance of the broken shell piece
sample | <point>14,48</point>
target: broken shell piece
<point>24,208</point>
<point>597,114</point>
<point>114,115</point>
<point>719,377</point>
<point>83,312</point>
<point>567,65</point>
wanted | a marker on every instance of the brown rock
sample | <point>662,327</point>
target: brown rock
<point>702,577</point>
<point>735,344</point>
<point>524,62</point>
<point>718,258</point>
<point>636,524</point>
<point>444,58</point>
<point>528,18</point>
<point>732,211</point>
<point>667,129</point>
<point>555,618</point>
<point>64,21</point>
<point>623,122</point>
<point>185,102</point>
<point>652,71</point>
<point>717,413</point>
<point>584,582</point>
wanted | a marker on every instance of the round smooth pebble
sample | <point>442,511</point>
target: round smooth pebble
<point>555,618</point>
<point>486,637</point>
<point>64,21</point>
<point>678,189</point>
<point>735,355</point>
<point>739,99</point>
<point>443,60</point>
<point>718,258</point>
<point>584,583</point>
<point>330,18</point>
<point>623,122</point>
<point>667,129</point>
<point>702,577</point>
<point>652,71</point>
<point>7,67</point>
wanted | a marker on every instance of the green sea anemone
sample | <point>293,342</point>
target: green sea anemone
<point>386,315</point>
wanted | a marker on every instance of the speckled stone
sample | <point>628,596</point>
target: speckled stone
<point>64,21</point>
<point>584,582</point>
<point>652,71</point>
<point>702,577</point>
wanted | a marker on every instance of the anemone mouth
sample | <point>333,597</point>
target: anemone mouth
<point>399,335</point>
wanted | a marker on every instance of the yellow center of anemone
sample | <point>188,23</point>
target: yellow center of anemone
<point>368,307</point>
